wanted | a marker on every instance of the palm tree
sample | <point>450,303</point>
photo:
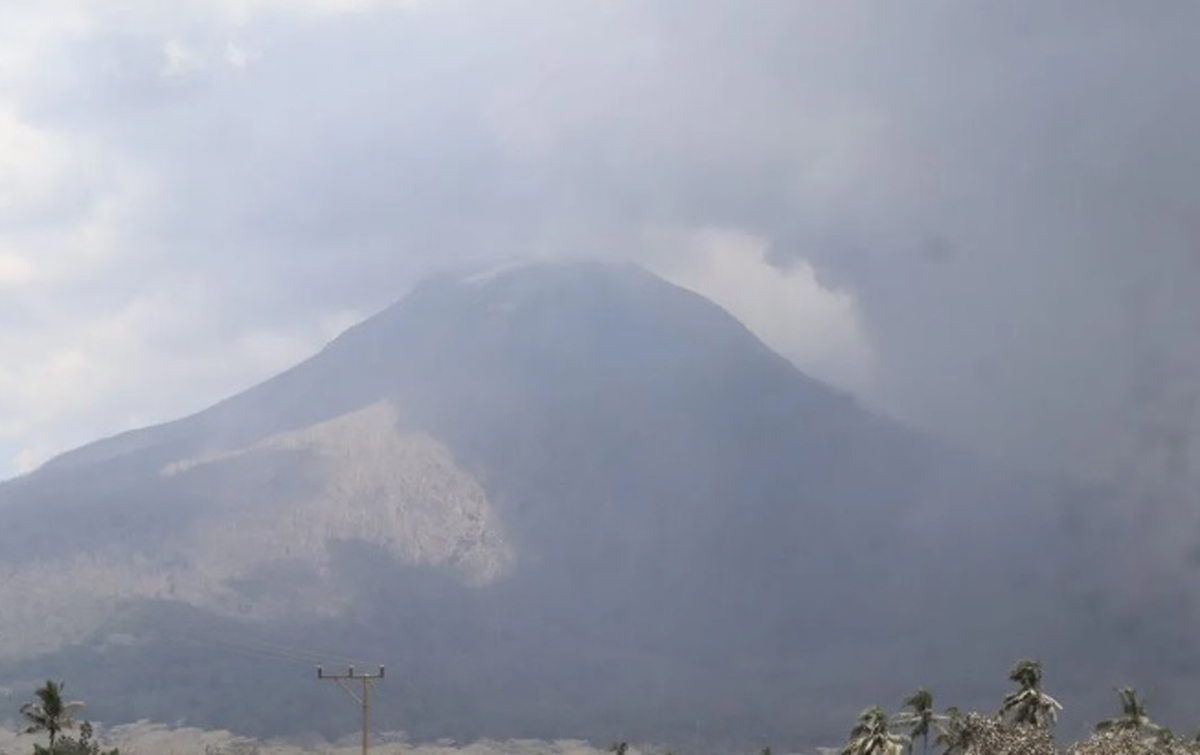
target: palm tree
<point>920,718</point>
<point>956,734</point>
<point>1028,704</point>
<point>872,735</point>
<point>1133,716</point>
<point>49,713</point>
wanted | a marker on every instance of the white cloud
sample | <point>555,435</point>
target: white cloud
<point>817,328</point>
<point>239,56</point>
<point>81,17</point>
<point>180,59</point>
<point>151,360</point>
<point>29,459</point>
<point>101,330</point>
<point>15,270</point>
<point>242,12</point>
<point>34,163</point>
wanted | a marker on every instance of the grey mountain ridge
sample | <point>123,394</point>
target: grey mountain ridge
<point>557,500</point>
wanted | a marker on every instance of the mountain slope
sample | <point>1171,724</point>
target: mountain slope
<point>558,500</point>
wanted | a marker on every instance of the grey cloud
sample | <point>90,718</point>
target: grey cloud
<point>1044,154</point>
<point>1007,190</point>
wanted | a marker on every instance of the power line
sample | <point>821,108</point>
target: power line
<point>364,700</point>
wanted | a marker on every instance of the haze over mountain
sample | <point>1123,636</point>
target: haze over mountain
<point>557,500</point>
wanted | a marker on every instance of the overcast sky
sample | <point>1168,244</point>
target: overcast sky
<point>980,218</point>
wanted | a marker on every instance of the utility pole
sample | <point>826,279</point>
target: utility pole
<point>363,700</point>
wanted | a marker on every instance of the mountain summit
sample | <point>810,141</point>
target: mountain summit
<point>557,500</point>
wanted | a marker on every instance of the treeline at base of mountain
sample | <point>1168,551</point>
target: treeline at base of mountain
<point>1023,725</point>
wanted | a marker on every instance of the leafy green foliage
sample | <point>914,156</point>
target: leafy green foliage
<point>50,713</point>
<point>83,745</point>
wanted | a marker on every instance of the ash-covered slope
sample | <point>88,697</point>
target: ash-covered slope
<point>566,499</point>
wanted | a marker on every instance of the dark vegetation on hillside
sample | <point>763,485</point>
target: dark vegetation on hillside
<point>1022,725</point>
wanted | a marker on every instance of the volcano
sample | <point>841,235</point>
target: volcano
<point>556,500</point>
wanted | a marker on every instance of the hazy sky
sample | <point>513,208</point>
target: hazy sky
<point>978,217</point>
